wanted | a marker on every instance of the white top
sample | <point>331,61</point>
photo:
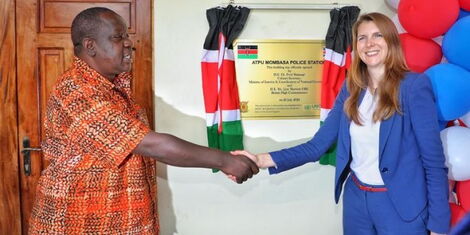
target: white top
<point>365,143</point>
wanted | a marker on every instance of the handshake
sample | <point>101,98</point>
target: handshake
<point>243,165</point>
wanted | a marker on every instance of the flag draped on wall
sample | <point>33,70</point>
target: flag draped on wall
<point>337,61</point>
<point>221,100</point>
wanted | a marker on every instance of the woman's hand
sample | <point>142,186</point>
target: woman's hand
<point>262,160</point>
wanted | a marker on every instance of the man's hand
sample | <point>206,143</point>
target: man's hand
<point>262,160</point>
<point>239,168</point>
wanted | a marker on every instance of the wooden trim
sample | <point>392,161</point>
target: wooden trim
<point>9,183</point>
<point>142,71</point>
<point>55,15</point>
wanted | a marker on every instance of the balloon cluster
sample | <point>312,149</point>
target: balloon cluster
<point>435,36</point>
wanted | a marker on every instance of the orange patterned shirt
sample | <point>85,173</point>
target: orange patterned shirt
<point>94,184</point>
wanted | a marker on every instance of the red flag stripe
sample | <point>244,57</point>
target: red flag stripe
<point>248,51</point>
<point>228,86</point>
<point>334,73</point>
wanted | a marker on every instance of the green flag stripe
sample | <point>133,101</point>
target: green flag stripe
<point>231,137</point>
<point>247,56</point>
<point>329,158</point>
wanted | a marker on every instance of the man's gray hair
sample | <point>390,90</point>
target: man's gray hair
<point>87,25</point>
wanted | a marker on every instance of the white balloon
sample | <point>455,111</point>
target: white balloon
<point>466,119</point>
<point>438,40</point>
<point>396,21</point>
<point>456,142</point>
<point>393,3</point>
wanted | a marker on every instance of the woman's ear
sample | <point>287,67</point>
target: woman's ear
<point>89,46</point>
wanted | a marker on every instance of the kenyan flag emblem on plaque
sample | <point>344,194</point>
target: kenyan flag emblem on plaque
<point>247,52</point>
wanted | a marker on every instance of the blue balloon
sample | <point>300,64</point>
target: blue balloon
<point>463,13</point>
<point>456,43</point>
<point>451,86</point>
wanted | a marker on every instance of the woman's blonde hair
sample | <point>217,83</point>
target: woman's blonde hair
<point>395,69</point>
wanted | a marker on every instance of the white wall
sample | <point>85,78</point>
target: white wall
<point>197,202</point>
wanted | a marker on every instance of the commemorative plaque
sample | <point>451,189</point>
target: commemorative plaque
<point>279,79</point>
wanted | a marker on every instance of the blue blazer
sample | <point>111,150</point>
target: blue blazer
<point>411,158</point>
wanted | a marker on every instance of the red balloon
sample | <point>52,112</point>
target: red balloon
<point>427,18</point>
<point>462,189</point>
<point>420,54</point>
<point>456,213</point>
<point>465,4</point>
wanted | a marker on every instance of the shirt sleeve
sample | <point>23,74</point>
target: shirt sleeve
<point>103,130</point>
<point>312,150</point>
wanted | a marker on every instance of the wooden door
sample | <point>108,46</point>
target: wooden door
<point>43,52</point>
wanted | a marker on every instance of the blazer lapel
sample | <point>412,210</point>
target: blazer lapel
<point>385,128</point>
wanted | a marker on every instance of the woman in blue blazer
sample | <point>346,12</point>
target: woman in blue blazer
<point>389,153</point>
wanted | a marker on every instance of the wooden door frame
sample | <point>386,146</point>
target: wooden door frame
<point>10,167</point>
<point>9,170</point>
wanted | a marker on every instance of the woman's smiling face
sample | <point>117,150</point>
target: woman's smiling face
<point>371,45</point>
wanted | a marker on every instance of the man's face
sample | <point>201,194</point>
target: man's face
<point>113,47</point>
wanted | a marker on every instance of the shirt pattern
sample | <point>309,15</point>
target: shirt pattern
<point>94,184</point>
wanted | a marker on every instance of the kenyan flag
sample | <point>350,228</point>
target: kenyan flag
<point>219,83</point>
<point>337,60</point>
<point>247,52</point>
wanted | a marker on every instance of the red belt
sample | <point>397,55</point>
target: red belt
<point>366,188</point>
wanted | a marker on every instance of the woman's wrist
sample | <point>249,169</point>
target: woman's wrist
<point>265,160</point>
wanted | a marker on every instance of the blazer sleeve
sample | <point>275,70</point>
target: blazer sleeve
<point>424,120</point>
<point>312,150</point>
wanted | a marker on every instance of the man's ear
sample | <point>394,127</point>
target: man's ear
<point>89,46</point>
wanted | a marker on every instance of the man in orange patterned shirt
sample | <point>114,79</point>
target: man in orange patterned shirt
<point>101,178</point>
